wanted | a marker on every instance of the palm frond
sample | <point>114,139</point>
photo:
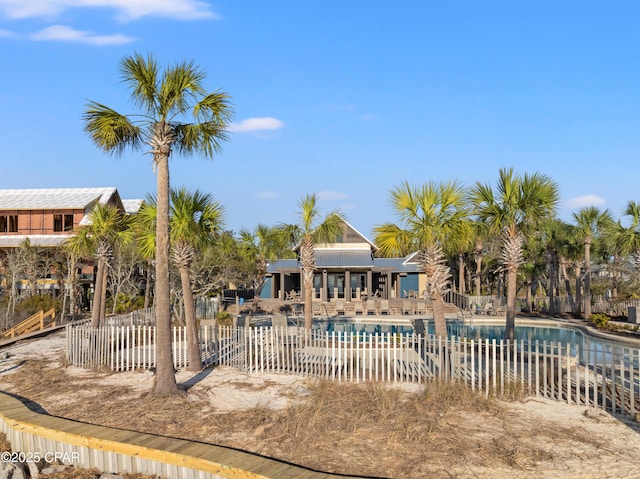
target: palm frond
<point>109,130</point>
<point>141,76</point>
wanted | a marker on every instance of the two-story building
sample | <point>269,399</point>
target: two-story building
<point>49,216</point>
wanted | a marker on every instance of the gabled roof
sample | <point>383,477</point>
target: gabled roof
<point>131,207</point>
<point>56,198</point>
<point>350,235</point>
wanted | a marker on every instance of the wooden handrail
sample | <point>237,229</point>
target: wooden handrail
<point>34,322</point>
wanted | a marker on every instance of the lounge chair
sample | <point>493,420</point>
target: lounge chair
<point>358,308</point>
<point>340,307</point>
<point>384,306</point>
<point>371,306</point>
<point>407,307</point>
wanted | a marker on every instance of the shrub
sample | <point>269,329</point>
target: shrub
<point>224,318</point>
<point>600,320</point>
<point>33,304</point>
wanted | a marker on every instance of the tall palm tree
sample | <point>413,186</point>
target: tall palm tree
<point>430,215</point>
<point>178,115</point>
<point>512,211</point>
<point>195,219</point>
<point>589,224</point>
<point>108,226</point>
<point>306,235</point>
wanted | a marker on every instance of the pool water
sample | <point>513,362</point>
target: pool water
<point>584,346</point>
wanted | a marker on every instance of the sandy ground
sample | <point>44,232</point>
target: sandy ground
<point>530,439</point>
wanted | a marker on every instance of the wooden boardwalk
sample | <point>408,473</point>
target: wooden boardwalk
<point>116,450</point>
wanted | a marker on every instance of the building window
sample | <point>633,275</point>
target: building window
<point>9,224</point>
<point>62,223</point>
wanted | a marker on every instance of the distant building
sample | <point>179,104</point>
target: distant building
<point>49,216</point>
<point>347,269</point>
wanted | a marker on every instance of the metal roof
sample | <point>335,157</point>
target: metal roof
<point>53,198</point>
<point>131,207</point>
<point>343,259</point>
<point>13,241</point>
<point>398,265</point>
<point>348,260</point>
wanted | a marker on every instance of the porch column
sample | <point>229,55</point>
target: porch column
<point>281,295</point>
<point>323,293</point>
<point>370,290</point>
<point>347,286</point>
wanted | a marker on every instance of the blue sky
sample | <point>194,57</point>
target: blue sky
<point>344,99</point>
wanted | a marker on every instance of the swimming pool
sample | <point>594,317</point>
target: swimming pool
<point>583,345</point>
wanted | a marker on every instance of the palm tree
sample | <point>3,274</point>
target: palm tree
<point>306,235</point>
<point>261,245</point>
<point>178,115</point>
<point>512,211</point>
<point>195,218</point>
<point>430,215</point>
<point>194,221</point>
<point>108,226</point>
<point>590,222</point>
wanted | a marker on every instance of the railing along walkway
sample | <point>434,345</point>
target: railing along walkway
<point>35,322</point>
<point>115,450</point>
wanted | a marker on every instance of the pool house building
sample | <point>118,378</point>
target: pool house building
<point>346,270</point>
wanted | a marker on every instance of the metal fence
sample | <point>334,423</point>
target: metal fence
<point>605,379</point>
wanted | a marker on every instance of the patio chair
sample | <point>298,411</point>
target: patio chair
<point>407,307</point>
<point>279,322</point>
<point>316,308</point>
<point>371,306</point>
<point>349,308</point>
<point>340,306</point>
<point>357,308</point>
<point>384,306</point>
<point>421,307</point>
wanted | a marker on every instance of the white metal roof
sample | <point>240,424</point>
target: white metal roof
<point>53,198</point>
<point>131,207</point>
<point>13,241</point>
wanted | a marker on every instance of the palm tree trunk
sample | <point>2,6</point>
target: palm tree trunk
<point>461,289</point>
<point>440,323</point>
<point>165,381</point>
<point>103,294</point>
<point>97,296</point>
<point>587,280</point>
<point>308,298</point>
<point>147,287</point>
<point>510,327</point>
<point>193,336</point>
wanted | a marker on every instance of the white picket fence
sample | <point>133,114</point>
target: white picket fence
<point>607,379</point>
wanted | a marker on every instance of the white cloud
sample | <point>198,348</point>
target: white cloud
<point>66,34</point>
<point>256,124</point>
<point>586,200</point>
<point>126,9</point>
<point>267,195</point>
<point>331,196</point>
<point>6,34</point>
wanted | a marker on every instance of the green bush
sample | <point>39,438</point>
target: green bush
<point>600,320</point>
<point>125,303</point>
<point>36,303</point>
<point>224,318</point>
